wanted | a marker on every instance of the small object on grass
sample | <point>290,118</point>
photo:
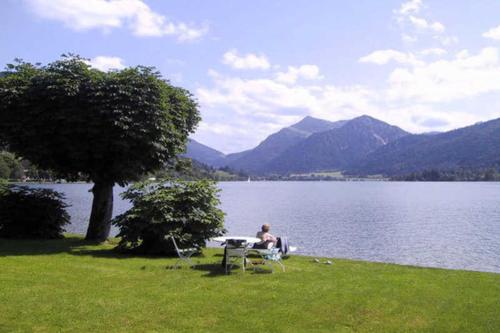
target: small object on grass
<point>316,260</point>
<point>328,262</point>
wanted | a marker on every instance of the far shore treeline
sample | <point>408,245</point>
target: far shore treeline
<point>16,169</point>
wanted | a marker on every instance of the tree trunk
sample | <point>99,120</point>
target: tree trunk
<point>102,210</point>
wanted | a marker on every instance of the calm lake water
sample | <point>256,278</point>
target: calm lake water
<point>449,225</point>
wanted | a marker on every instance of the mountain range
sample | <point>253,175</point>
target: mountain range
<point>258,160</point>
<point>472,147</point>
<point>204,154</point>
<point>360,146</point>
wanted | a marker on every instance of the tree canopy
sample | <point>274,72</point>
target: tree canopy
<point>111,127</point>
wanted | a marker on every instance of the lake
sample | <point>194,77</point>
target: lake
<point>448,225</point>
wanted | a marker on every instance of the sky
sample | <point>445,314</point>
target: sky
<point>261,65</point>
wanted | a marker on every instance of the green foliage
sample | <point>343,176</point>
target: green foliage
<point>33,173</point>
<point>10,166</point>
<point>113,126</point>
<point>108,127</point>
<point>16,169</point>
<point>4,170</point>
<point>3,186</point>
<point>188,169</point>
<point>31,213</point>
<point>434,175</point>
<point>188,211</point>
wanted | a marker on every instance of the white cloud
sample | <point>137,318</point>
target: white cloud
<point>254,95</point>
<point>413,22</point>
<point>420,118</point>
<point>446,40</point>
<point>462,54</point>
<point>427,90</point>
<point>423,24</point>
<point>105,63</point>
<point>448,80</point>
<point>247,61</point>
<point>419,97</point>
<point>408,38</point>
<point>262,106</point>
<point>433,51</point>
<point>493,33</point>
<point>307,72</point>
<point>137,16</point>
<point>382,57</point>
<point>412,6</point>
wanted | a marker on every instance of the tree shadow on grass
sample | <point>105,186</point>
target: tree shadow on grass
<point>115,254</point>
<point>30,247</point>
<point>73,245</point>
<point>213,269</point>
<point>217,270</point>
<point>77,246</point>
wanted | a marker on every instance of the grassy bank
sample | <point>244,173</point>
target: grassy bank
<point>70,285</point>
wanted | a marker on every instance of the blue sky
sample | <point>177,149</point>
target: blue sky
<point>257,66</point>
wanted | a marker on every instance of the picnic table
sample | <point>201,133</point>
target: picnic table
<point>247,239</point>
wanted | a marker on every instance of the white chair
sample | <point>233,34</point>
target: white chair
<point>233,253</point>
<point>183,254</point>
<point>269,257</point>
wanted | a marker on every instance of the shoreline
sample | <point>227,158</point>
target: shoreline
<point>114,240</point>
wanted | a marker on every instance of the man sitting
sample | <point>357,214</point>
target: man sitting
<point>267,240</point>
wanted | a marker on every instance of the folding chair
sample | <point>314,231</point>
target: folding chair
<point>183,254</point>
<point>234,251</point>
<point>269,257</point>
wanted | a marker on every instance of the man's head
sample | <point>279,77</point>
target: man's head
<point>266,228</point>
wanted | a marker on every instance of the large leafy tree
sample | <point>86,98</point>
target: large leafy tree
<point>111,127</point>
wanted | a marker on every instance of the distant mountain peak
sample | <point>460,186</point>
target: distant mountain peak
<point>337,148</point>
<point>203,153</point>
<point>366,122</point>
<point>308,120</point>
<point>366,119</point>
<point>313,125</point>
<point>311,118</point>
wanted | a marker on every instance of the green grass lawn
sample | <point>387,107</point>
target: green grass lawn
<point>70,285</point>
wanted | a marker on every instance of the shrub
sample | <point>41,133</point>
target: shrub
<point>10,166</point>
<point>31,213</point>
<point>188,211</point>
<point>4,170</point>
<point>4,186</point>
